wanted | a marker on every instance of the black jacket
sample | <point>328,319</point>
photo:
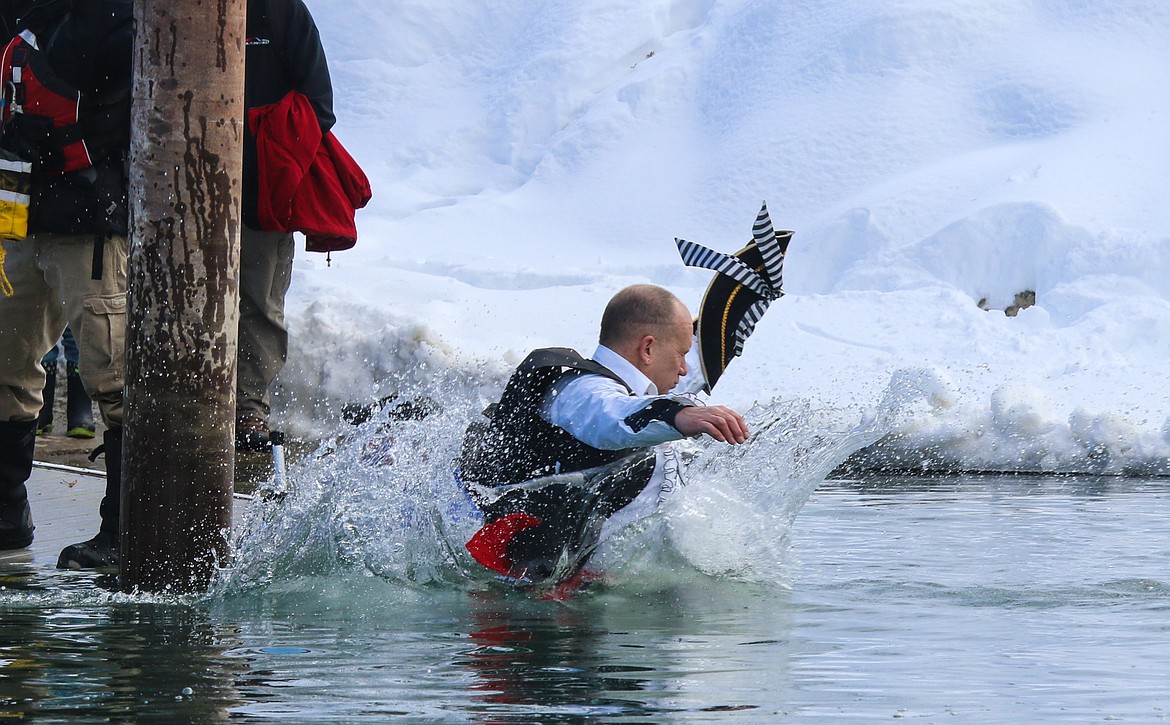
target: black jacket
<point>91,51</point>
<point>283,53</point>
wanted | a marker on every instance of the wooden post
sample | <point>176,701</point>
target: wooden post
<point>186,160</point>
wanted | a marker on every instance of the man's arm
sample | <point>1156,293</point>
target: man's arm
<point>600,412</point>
<point>720,422</point>
<point>305,58</point>
<point>114,57</point>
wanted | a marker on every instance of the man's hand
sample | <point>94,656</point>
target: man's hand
<point>720,422</point>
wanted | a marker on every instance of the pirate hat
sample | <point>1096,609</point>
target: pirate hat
<point>745,284</point>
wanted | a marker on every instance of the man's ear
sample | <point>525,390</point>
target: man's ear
<point>645,348</point>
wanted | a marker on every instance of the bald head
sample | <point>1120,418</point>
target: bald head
<point>651,328</point>
<point>639,310</point>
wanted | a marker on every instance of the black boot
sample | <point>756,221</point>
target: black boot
<point>17,441</point>
<point>45,419</point>
<point>78,405</point>
<point>104,550</point>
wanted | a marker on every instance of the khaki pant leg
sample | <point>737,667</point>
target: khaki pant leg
<point>96,310</point>
<point>265,275</point>
<point>30,323</point>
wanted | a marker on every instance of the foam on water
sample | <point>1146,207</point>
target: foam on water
<point>77,589</point>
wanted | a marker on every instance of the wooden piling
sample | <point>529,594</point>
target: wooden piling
<point>186,157</point>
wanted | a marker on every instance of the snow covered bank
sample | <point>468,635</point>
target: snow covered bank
<point>531,158</point>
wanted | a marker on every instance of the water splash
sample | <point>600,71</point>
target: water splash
<point>1020,430</point>
<point>382,501</point>
<point>733,517</point>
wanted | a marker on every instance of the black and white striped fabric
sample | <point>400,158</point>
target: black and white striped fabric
<point>730,313</point>
<point>747,324</point>
<point>769,246</point>
<point>696,255</point>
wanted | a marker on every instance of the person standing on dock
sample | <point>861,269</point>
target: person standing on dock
<point>78,405</point>
<point>66,70</point>
<point>284,54</point>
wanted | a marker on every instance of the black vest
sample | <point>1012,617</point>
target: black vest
<point>515,444</point>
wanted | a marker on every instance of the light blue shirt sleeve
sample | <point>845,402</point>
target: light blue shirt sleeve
<point>594,408</point>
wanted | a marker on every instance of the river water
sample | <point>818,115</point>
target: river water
<point>972,599</point>
<point>764,592</point>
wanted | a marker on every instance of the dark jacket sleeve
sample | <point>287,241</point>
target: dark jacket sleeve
<point>305,57</point>
<point>114,57</point>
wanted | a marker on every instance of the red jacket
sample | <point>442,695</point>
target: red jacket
<point>308,182</point>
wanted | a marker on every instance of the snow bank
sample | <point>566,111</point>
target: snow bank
<point>531,158</point>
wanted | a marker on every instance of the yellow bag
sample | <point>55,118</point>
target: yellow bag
<point>15,183</point>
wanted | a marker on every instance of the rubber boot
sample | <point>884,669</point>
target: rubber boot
<point>104,550</point>
<point>78,405</point>
<point>17,441</point>
<point>45,419</point>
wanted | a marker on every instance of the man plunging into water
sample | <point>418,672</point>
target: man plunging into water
<point>562,414</point>
<point>578,448</point>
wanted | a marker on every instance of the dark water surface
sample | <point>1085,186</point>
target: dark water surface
<point>972,600</point>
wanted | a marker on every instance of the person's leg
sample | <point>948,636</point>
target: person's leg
<point>78,404</point>
<point>265,275</point>
<point>69,345</point>
<point>30,322</point>
<point>97,314</point>
<point>48,394</point>
<point>96,311</point>
<point>17,441</point>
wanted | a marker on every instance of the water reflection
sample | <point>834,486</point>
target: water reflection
<point>993,599</point>
<point>968,487</point>
<point>649,655</point>
<point>121,661</point>
<point>551,662</point>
